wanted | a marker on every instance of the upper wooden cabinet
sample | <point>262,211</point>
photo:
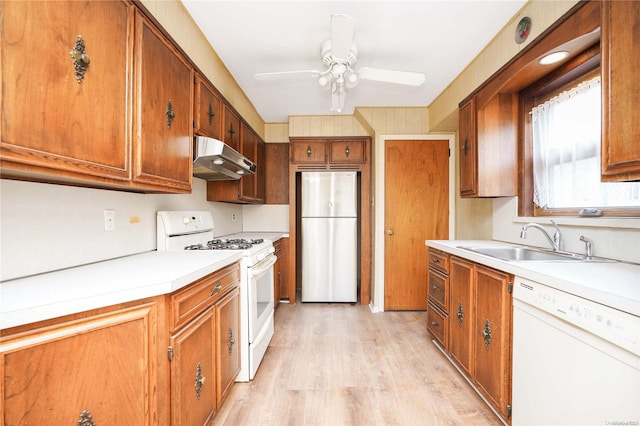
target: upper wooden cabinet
<point>208,113</point>
<point>59,119</point>
<point>250,188</point>
<point>277,173</point>
<point>88,121</point>
<point>318,151</point>
<point>487,143</point>
<point>230,127</point>
<point>164,132</point>
<point>621,91</point>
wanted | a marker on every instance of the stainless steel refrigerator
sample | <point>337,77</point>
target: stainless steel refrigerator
<point>329,215</point>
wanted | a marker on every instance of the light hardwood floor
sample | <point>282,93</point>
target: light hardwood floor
<point>337,364</point>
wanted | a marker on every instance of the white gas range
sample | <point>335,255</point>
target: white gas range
<point>193,230</point>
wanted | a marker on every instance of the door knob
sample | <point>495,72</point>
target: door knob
<point>389,231</point>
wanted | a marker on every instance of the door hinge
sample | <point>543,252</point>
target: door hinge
<point>510,287</point>
<point>508,410</point>
<point>170,353</point>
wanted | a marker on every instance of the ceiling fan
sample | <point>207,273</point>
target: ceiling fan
<point>339,54</point>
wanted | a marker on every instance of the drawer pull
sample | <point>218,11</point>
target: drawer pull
<point>435,323</point>
<point>199,380</point>
<point>216,288</point>
<point>86,419</point>
<point>434,287</point>
<point>436,260</point>
<point>460,314</point>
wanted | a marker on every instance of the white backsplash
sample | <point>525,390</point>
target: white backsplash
<point>612,238</point>
<point>48,227</point>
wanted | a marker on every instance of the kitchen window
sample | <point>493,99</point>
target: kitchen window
<point>561,161</point>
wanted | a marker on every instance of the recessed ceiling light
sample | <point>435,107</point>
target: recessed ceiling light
<point>552,58</point>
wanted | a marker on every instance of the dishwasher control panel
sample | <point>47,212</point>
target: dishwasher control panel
<point>620,328</point>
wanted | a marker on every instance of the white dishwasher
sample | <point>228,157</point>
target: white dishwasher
<point>575,362</point>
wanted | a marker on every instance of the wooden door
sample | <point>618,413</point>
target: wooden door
<point>227,343</point>
<point>164,130</point>
<point>461,313</point>
<point>492,336</point>
<point>416,209</point>
<point>52,116</point>
<point>101,366</point>
<point>193,390</point>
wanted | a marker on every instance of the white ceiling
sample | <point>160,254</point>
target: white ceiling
<point>437,38</point>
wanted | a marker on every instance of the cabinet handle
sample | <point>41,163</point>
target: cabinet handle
<point>200,379</point>
<point>308,150</point>
<point>231,341</point>
<point>460,314</point>
<point>80,59</point>
<point>170,114</point>
<point>216,288</point>
<point>435,323</point>
<point>211,114</point>
<point>486,334</point>
<point>86,419</point>
<point>465,148</point>
<point>436,260</point>
<point>346,151</point>
<point>231,131</point>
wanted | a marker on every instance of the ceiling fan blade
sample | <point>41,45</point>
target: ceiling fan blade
<point>390,76</point>
<point>342,29</point>
<point>286,75</point>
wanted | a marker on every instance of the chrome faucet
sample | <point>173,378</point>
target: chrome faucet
<point>555,242</point>
<point>588,246</point>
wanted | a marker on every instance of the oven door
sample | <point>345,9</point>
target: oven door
<point>260,290</point>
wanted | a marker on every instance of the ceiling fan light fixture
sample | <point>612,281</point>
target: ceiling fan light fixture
<point>324,80</point>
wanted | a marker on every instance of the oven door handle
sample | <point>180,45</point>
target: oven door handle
<point>262,266</point>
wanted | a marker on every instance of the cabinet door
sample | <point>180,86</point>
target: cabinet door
<point>492,330</point>
<point>621,90</point>
<point>347,152</point>
<point>101,366</point>
<point>309,151</point>
<point>248,148</point>
<point>54,120</point>
<point>231,126</point>
<point>193,372</point>
<point>468,150</point>
<point>277,173</point>
<point>461,312</point>
<point>208,112</point>
<point>164,130</point>
<point>227,343</point>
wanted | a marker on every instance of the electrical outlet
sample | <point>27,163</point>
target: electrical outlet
<point>233,217</point>
<point>109,220</point>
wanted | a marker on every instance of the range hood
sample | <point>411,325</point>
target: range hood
<point>215,160</point>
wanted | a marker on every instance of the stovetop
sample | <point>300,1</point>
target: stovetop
<point>226,244</point>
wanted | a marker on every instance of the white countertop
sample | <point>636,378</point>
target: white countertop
<point>73,290</point>
<point>615,284</point>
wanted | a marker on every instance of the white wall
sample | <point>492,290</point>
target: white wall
<point>47,227</point>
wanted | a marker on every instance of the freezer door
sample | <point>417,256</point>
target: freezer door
<point>329,260</point>
<point>329,194</point>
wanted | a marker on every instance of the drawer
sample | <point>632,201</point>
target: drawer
<point>438,324</point>
<point>347,152</point>
<point>309,151</point>
<point>438,290</point>
<point>439,260</point>
<point>193,299</point>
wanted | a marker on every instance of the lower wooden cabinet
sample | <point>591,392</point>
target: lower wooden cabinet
<point>193,371</point>
<point>281,271</point>
<point>165,360</point>
<point>100,368</point>
<point>227,343</point>
<point>475,326</point>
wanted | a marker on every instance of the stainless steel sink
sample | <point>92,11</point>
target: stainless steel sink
<point>525,254</point>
